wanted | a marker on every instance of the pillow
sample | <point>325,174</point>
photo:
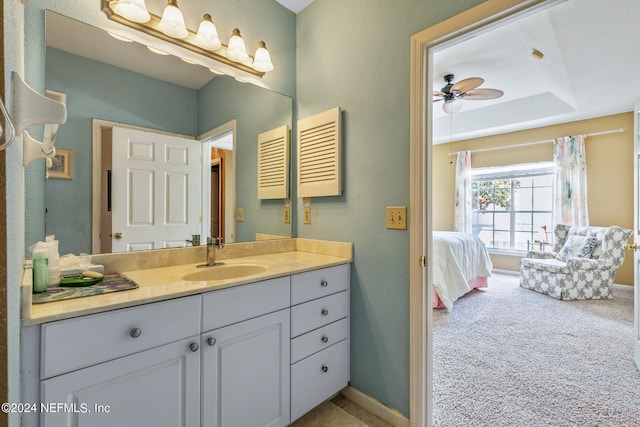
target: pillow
<point>577,247</point>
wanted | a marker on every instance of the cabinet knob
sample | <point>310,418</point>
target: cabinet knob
<point>211,341</point>
<point>324,283</point>
<point>194,346</point>
<point>135,332</point>
<point>325,339</point>
<point>324,311</point>
<point>325,368</point>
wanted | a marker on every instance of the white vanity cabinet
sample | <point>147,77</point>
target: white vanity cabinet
<point>319,337</point>
<point>258,354</point>
<point>245,355</point>
<point>129,367</point>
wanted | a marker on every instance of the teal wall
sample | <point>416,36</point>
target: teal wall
<point>256,110</point>
<point>99,91</point>
<point>355,54</point>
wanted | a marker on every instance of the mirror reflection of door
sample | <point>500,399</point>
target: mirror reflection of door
<point>217,193</point>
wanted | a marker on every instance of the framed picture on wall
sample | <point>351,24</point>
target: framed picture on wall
<point>62,167</point>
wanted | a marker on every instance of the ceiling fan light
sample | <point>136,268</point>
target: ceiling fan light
<point>452,106</point>
<point>262,59</point>
<point>172,23</point>
<point>207,37</point>
<point>133,10</point>
<point>237,51</point>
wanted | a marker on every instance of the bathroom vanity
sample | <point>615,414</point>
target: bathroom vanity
<point>254,350</point>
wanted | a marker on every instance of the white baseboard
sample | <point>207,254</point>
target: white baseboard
<point>509,272</point>
<point>378,409</point>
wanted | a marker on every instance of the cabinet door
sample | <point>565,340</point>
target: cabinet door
<point>157,387</point>
<point>245,373</point>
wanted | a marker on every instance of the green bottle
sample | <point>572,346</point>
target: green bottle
<point>39,269</point>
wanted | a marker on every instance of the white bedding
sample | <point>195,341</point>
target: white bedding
<point>457,258</point>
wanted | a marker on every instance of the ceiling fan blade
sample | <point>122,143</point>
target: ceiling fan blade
<point>439,99</point>
<point>467,84</point>
<point>438,93</point>
<point>480,94</point>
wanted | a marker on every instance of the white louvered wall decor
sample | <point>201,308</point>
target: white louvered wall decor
<point>273,164</point>
<point>320,155</point>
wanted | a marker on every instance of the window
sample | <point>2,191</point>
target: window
<point>512,205</point>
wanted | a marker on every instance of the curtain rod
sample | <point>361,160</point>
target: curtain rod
<point>620,130</point>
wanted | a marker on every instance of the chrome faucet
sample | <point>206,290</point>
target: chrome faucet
<point>213,243</point>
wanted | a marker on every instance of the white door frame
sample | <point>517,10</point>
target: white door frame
<point>420,313</point>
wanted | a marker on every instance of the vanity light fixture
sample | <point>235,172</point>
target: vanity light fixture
<point>262,58</point>
<point>172,22</point>
<point>133,10</point>
<point>237,51</point>
<point>207,37</point>
<point>171,28</point>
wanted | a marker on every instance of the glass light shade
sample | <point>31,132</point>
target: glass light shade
<point>237,51</point>
<point>207,37</point>
<point>133,10</point>
<point>452,106</point>
<point>262,59</point>
<point>172,23</point>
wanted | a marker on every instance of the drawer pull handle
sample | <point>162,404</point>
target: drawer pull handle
<point>325,339</point>
<point>324,311</point>
<point>324,283</point>
<point>325,368</point>
<point>194,346</point>
<point>135,332</point>
<point>211,341</point>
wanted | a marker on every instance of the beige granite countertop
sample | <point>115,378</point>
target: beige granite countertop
<point>166,282</point>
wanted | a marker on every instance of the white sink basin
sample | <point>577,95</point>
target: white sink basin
<point>223,272</point>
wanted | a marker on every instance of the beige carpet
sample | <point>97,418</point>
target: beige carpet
<point>328,415</point>
<point>509,356</point>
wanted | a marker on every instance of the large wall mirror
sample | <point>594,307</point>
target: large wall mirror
<point>108,82</point>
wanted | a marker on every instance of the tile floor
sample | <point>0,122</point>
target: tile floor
<point>339,412</point>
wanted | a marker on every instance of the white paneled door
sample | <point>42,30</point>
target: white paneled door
<point>155,190</point>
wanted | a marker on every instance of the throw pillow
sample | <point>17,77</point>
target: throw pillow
<point>577,246</point>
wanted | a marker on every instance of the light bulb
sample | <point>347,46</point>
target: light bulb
<point>207,37</point>
<point>262,60</point>
<point>452,106</point>
<point>133,10</point>
<point>172,23</point>
<point>237,51</point>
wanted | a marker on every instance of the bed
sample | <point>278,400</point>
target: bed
<point>461,263</point>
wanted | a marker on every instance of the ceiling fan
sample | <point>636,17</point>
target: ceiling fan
<point>452,93</point>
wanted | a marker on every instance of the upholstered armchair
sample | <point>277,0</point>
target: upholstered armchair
<point>581,265</point>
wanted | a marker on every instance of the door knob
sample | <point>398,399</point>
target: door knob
<point>118,235</point>
<point>631,247</point>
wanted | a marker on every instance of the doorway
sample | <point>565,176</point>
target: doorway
<point>479,18</point>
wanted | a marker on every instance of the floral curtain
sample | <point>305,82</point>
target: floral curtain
<point>462,208</point>
<point>570,181</point>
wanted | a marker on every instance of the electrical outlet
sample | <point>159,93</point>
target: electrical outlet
<point>287,215</point>
<point>240,214</point>
<point>396,217</point>
<point>307,215</point>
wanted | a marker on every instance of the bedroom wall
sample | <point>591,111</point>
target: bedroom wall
<point>609,170</point>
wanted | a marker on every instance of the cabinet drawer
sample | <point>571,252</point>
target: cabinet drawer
<point>313,314</point>
<point>318,377</point>
<point>319,283</point>
<point>233,305</point>
<point>67,345</point>
<point>319,339</point>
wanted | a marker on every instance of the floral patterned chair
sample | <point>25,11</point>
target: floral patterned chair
<point>582,264</point>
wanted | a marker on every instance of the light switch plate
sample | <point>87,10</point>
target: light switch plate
<point>307,215</point>
<point>396,217</point>
<point>240,214</point>
<point>287,215</point>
